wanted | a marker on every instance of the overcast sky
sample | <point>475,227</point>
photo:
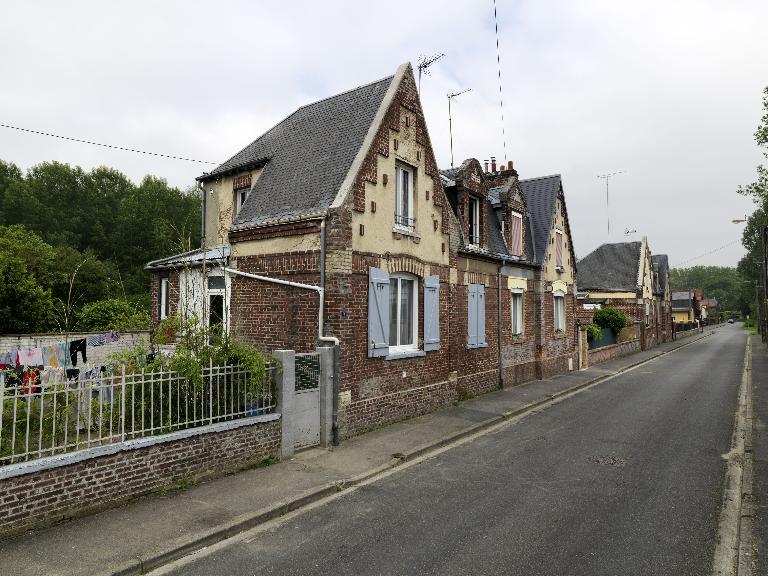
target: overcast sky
<point>668,91</point>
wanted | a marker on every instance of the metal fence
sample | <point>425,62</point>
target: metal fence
<point>44,418</point>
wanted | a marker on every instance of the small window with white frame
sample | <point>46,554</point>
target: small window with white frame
<point>518,317</point>
<point>217,303</point>
<point>240,197</point>
<point>404,216</point>
<point>403,312</point>
<point>516,234</point>
<point>474,221</point>
<point>165,298</point>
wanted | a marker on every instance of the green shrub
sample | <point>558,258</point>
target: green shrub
<point>594,332</point>
<point>112,314</point>
<point>610,318</point>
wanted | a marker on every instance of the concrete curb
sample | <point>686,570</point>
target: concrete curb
<point>248,521</point>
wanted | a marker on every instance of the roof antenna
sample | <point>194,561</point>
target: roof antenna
<point>451,96</point>
<point>424,64</point>
<point>607,177</point>
<point>628,231</point>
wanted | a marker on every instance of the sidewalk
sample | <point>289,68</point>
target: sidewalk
<point>760,450</point>
<point>158,529</point>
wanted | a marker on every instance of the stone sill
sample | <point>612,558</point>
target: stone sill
<point>484,345</point>
<point>405,354</point>
<point>398,233</point>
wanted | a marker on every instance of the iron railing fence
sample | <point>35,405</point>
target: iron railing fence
<point>45,418</point>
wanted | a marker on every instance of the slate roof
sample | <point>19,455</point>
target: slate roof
<point>610,267</point>
<point>306,156</point>
<point>540,198</point>
<point>660,263</point>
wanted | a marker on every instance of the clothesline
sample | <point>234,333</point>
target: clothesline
<point>61,354</point>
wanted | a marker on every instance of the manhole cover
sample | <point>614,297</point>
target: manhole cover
<point>608,460</point>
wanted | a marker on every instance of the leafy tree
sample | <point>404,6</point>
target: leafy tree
<point>724,284</point>
<point>112,314</point>
<point>25,306</point>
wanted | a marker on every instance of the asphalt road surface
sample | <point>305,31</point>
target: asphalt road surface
<point>624,478</point>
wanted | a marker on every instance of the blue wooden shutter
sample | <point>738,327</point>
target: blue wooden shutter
<point>431,313</point>
<point>481,315</point>
<point>472,316</point>
<point>378,312</point>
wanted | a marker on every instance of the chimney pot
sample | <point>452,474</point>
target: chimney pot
<point>486,165</point>
<point>509,164</point>
<point>493,164</point>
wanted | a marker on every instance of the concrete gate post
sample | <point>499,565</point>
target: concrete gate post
<point>285,380</point>
<point>326,395</point>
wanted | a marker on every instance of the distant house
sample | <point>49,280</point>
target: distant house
<point>709,312</point>
<point>685,306</point>
<point>436,284</point>
<point>621,276</point>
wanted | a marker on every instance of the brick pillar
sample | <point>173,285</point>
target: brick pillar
<point>285,380</point>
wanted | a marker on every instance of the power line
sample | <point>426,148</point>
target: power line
<point>501,96</point>
<point>123,148</point>
<point>723,247</point>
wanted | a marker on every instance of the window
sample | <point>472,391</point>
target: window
<point>216,303</point>
<point>403,312</point>
<point>559,248</point>
<point>165,300</point>
<point>404,217</point>
<point>517,314</point>
<point>559,312</point>
<point>647,313</point>
<point>240,197</point>
<point>476,316</point>
<point>474,221</point>
<point>516,234</point>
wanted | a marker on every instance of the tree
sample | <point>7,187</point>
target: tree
<point>25,306</point>
<point>724,284</point>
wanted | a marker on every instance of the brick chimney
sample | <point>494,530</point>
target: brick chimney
<point>485,162</point>
<point>493,164</point>
<point>510,167</point>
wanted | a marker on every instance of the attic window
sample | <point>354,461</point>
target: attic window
<point>404,217</point>
<point>474,221</point>
<point>559,249</point>
<point>241,186</point>
<point>516,234</point>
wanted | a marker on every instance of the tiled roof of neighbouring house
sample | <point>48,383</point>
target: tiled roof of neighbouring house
<point>540,198</point>
<point>611,267</point>
<point>306,156</point>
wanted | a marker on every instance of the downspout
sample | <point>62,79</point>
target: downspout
<point>201,187</point>
<point>331,339</point>
<point>498,326</point>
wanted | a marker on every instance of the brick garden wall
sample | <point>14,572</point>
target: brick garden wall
<point>612,351</point>
<point>49,496</point>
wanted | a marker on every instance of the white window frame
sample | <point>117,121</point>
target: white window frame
<point>559,301</point>
<point>241,196</point>
<point>164,298</point>
<point>474,224</point>
<point>395,348</point>
<point>521,318</point>
<point>224,293</point>
<point>402,172</point>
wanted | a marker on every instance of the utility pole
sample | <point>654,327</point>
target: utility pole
<point>451,96</point>
<point>607,177</point>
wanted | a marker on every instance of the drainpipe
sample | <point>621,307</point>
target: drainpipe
<point>201,187</point>
<point>331,339</point>
<point>498,325</point>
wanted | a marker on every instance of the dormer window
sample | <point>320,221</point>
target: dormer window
<point>240,197</point>
<point>516,234</point>
<point>404,217</point>
<point>474,221</point>
<point>241,187</point>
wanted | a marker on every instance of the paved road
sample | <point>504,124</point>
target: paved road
<point>625,478</point>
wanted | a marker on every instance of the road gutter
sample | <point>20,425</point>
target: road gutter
<point>734,551</point>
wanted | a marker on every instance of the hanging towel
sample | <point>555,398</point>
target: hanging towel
<point>8,358</point>
<point>62,353</point>
<point>31,357</point>
<point>97,339</point>
<point>77,346</point>
<point>112,337</point>
<point>50,358</point>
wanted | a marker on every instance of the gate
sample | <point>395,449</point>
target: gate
<point>307,400</point>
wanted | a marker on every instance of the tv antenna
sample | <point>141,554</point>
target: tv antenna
<point>607,177</point>
<point>424,64</point>
<point>628,231</point>
<point>451,96</point>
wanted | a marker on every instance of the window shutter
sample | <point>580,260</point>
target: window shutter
<point>472,316</point>
<point>559,249</point>
<point>481,315</point>
<point>378,312</point>
<point>431,313</point>
<point>516,225</point>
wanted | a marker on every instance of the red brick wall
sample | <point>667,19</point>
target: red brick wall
<point>606,353</point>
<point>50,496</point>
<point>519,354</point>
<point>272,316</point>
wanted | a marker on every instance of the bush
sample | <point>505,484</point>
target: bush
<point>112,314</point>
<point>610,318</point>
<point>594,332</point>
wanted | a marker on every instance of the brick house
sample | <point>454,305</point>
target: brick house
<point>435,285</point>
<point>621,276</point>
